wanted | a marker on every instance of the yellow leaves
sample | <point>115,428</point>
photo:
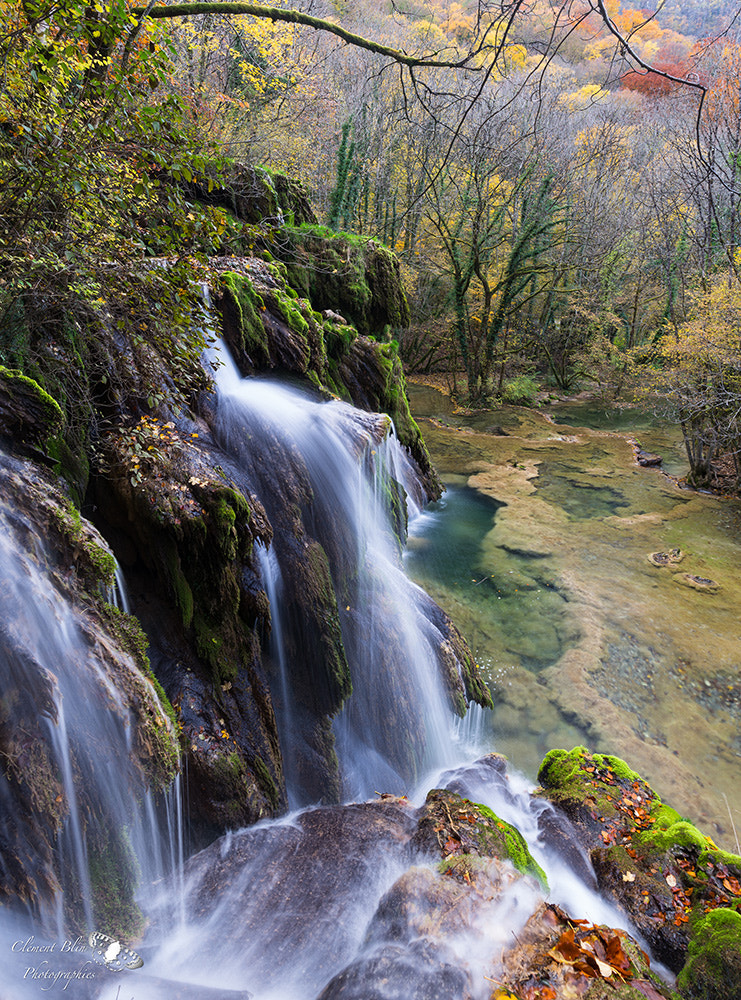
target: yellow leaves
<point>581,99</point>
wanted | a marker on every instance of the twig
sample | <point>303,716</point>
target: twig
<point>733,825</point>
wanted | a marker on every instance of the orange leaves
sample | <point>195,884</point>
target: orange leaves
<point>733,885</point>
<point>452,846</point>
<point>594,952</point>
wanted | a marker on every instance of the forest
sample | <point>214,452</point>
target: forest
<point>560,181</point>
<point>336,562</point>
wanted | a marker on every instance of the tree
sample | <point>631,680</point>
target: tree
<point>698,372</point>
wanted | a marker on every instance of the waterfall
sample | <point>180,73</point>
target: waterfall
<point>79,821</point>
<point>352,481</point>
<point>287,907</point>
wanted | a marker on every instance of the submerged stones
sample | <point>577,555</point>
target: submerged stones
<point>701,583</point>
<point>671,560</point>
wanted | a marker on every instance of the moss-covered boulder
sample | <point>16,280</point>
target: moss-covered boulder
<point>254,194</point>
<point>184,524</point>
<point>29,417</point>
<point>713,969</point>
<point>458,829</point>
<point>653,864</point>
<point>355,276</point>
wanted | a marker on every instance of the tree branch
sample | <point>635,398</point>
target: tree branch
<point>626,47</point>
<point>297,17</point>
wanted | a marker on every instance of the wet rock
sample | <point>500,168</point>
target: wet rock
<point>59,636</point>
<point>268,327</point>
<point>185,525</point>
<point>558,957</point>
<point>453,827</point>
<point>648,460</point>
<point>279,905</point>
<point>656,867</point>
<point>423,936</point>
<point>394,972</point>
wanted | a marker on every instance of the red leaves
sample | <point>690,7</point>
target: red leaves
<point>733,885</point>
<point>594,952</point>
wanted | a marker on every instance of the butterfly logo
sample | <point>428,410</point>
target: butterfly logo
<point>112,954</point>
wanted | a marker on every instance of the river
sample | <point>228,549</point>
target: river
<point>539,550</point>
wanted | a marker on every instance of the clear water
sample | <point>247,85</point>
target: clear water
<point>629,659</point>
<point>446,557</point>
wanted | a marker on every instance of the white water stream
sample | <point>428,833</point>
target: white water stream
<point>281,908</point>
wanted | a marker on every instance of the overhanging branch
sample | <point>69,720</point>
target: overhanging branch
<point>298,17</point>
<point>628,49</point>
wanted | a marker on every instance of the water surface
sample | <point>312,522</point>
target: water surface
<point>581,638</point>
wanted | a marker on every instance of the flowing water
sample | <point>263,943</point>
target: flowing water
<point>70,735</point>
<point>353,464</point>
<point>295,908</point>
<point>581,638</point>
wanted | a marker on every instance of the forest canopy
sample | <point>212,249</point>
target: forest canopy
<point>560,180</point>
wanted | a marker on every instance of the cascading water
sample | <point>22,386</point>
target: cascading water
<point>330,902</point>
<point>396,724</point>
<point>297,909</point>
<point>72,736</point>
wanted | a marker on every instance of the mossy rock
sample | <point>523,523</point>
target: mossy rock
<point>242,306</point>
<point>713,969</point>
<point>651,862</point>
<point>257,194</point>
<point>114,879</point>
<point>373,376</point>
<point>28,414</point>
<point>452,826</point>
<point>358,277</point>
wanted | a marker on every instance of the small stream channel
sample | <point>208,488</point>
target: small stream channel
<point>539,550</point>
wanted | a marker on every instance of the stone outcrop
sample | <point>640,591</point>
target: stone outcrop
<point>679,890</point>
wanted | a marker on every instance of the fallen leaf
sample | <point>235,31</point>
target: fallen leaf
<point>629,877</point>
<point>605,969</point>
<point>647,989</point>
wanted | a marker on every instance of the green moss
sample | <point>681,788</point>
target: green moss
<point>46,409</point>
<point>671,831</point>
<point>129,634</point>
<point>338,339</point>
<point>713,968</point>
<point>563,770</point>
<point>354,275</point>
<point>95,561</point>
<point>266,781</point>
<point>515,846</point>
<point>165,703</point>
<point>179,584</point>
<point>249,306</point>
<point>114,877</point>
<point>285,304</point>
<point>321,600</point>
<point>73,466</point>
